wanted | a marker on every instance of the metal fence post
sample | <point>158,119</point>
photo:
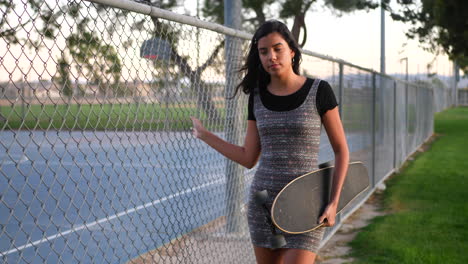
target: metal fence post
<point>374,108</point>
<point>234,176</point>
<point>341,90</point>
<point>455,80</point>
<point>406,119</point>
<point>394,126</point>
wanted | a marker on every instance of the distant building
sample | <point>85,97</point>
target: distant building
<point>30,90</point>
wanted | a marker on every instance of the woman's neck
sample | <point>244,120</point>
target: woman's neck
<point>284,85</point>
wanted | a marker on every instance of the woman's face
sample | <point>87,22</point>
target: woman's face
<point>275,54</point>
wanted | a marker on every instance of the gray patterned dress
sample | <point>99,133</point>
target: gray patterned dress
<point>289,148</point>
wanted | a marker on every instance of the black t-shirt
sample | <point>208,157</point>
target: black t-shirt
<point>325,99</point>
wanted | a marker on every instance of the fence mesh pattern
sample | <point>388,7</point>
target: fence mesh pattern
<point>463,97</point>
<point>97,160</point>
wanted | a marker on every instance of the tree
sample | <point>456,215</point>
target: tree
<point>10,25</point>
<point>99,63</point>
<point>258,11</point>
<point>63,77</point>
<point>437,24</point>
<point>93,59</point>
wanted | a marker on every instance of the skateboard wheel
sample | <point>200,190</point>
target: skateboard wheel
<point>261,197</point>
<point>278,241</point>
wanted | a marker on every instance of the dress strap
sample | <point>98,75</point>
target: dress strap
<point>316,84</point>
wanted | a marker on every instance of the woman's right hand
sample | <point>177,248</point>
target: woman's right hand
<point>198,129</point>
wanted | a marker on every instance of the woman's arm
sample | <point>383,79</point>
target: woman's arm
<point>246,155</point>
<point>332,123</point>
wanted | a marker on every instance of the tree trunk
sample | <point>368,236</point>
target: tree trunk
<point>299,22</point>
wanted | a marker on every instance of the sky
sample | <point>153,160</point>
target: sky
<point>355,38</point>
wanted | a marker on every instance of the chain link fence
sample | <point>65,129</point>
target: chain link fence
<point>463,97</point>
<point>97,163</point>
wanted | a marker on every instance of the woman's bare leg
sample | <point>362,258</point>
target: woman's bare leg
<point>298,256</point>
<point>268,256</point>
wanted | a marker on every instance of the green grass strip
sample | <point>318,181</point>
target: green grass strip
<point>102,117</point>
<point>427,204</point>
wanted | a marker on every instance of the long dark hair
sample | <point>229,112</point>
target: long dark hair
<point>253,69</point>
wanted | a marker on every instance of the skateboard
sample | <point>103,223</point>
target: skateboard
<point>298,206</point>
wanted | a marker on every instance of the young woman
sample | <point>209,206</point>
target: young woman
<point>286,111</point>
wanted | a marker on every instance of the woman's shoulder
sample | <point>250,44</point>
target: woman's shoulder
<point>325,92</point>
<point>323,87</point>
<point>325,84</point>
<point>322,83</point>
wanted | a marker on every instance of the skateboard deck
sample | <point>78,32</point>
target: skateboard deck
<point>298,206</point>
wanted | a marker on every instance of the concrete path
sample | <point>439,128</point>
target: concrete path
<point>336,251</point>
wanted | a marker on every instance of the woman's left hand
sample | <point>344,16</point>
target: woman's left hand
<point>328,216</point>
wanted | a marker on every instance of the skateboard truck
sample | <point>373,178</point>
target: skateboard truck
<point>277,241</point>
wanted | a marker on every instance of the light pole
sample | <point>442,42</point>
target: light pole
<point>406,93</point>
<point>456,78</point>
<point>406,60</point>
<point>382,38</point>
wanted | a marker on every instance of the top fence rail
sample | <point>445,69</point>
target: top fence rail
<point>171,16</point>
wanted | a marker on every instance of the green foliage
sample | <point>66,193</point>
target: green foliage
<point>9,24</point>
<point>63,77</point>
<point>351,5</point>
<point>85,50</point>
<point>214,10</point>
<point>254,12</point>
<point>292,8</point>
<point>98,62</point>
<point>437,24</point>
